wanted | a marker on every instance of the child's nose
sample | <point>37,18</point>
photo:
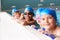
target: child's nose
<point>27,15</point>
<point>46,20</point>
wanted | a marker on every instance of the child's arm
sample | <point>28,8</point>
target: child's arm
<point>22,16</point>
<point>29,22</point>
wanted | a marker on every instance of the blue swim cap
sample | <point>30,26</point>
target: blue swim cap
<point>29,9</point>
<point>14,10</point>
<point>39,11</point>
<point>49,12</point>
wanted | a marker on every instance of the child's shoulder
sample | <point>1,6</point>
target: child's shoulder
<point>58,28</point>
<point>57,31</point>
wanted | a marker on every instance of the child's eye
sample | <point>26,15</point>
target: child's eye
<point>50,17</point>
<point>28,14</point>
<point>43,18</point>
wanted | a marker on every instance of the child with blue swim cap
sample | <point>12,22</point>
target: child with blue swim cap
<point>47,23</point>
<point>17,15</point>
<point>29,17</point>
<point>14,10</point>
<point>38,14</point>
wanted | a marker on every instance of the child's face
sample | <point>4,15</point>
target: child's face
<point>47,21</point>
<point>16,15</point>
<point>28,15</point>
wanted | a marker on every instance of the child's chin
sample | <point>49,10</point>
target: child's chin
<point>47,27</point>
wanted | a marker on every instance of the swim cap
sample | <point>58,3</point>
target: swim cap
<point>39,11</point>
<point>49,12</point>
<point>37,14</point>
<point>14,10</point>
<point>29,9</point>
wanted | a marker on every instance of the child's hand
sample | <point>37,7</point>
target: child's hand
<point>25,23</point>
<point>22,16</point>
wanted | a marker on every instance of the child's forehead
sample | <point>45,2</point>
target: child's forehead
<point>16,13</point>
<point>46,15</point>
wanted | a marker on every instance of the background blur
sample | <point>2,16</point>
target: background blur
<point>7,5</point>
<point>21,4</point>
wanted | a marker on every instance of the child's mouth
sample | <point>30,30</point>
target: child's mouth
<point>47,24</point>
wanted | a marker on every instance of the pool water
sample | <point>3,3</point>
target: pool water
<point>58,17</point>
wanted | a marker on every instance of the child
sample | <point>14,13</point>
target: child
<point>38,15</point>
<point>19,17</point>
<point>17,14</point>
<point>48,21</point>
<point>29,14</point>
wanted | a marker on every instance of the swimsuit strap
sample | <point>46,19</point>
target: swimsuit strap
<point>51,36</point>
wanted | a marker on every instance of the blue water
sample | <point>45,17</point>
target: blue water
<point>58,17</point>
